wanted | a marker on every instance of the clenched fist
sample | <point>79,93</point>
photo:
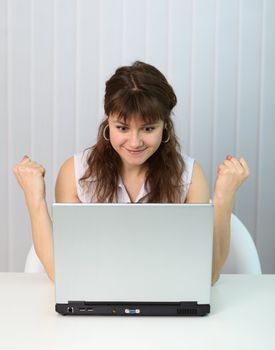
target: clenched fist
<point>231,174</point>
<point>30,176</point>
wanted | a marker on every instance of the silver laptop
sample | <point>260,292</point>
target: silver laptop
<point>133,259</point>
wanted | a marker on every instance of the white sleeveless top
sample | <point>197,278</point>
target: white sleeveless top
<point>87,194</point>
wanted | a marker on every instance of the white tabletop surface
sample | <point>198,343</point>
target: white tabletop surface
<point>242,317</point>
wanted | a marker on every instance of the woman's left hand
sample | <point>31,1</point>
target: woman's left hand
<point>231,174</point>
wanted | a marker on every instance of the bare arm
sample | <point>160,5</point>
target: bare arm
<point>199,193</point>
<point>30,176</point>
<point>231,174</point>
<point>42,234</point>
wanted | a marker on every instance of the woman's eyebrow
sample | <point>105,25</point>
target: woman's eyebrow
<point>153,123</point>
<point>119,122</point>
<point>142,125</point>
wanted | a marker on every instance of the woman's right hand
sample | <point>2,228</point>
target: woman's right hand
<point>30,176</point>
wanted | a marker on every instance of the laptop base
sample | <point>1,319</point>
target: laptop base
<point>76,308</point>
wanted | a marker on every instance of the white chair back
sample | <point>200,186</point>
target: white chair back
<point>33,264</point>
<point>243,256</point>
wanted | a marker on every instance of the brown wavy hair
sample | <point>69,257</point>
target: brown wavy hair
<point>138,90</point>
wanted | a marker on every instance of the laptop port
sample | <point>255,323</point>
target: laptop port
<point>70,309</point>
<point>132,311</point>
<point>90,310</point>
<point>82,310</point>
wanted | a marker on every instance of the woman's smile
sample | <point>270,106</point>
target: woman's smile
<point>135,152</point>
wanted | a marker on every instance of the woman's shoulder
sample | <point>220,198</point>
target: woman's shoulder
<point>67,168</point>
<point>68,165</point>
<point>65,189</point>
<point>74,166</point>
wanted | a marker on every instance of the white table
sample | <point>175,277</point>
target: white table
<point>242,317</point>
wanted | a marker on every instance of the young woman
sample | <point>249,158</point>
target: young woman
<point>136,158</point>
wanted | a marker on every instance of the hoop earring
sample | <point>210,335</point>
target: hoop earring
<point>167,140</point>
<point>104,133</point>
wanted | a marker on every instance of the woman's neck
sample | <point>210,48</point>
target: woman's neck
<point>133,172</point>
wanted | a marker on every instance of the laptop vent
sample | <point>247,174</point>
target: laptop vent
<point>187,312</point>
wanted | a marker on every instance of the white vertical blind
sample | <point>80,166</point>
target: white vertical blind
<point>19,126</point>
<point>225,81</point>
<point>249,60</point>
<point>219,56</point>
<point>265,227</point>
<point>4,155</point>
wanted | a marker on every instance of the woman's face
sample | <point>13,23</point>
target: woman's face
<point>134,140</point>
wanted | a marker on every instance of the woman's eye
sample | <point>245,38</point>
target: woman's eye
<point>149,128</point>
<point>122,128</point>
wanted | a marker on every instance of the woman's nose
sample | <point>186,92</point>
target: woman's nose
<point>135,139</point>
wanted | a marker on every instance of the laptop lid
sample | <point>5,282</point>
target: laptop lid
<point>139,253</point>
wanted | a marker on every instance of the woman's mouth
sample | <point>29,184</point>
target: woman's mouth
<point>135,152</point>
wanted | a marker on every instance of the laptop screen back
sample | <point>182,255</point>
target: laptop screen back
<point>133,252</point>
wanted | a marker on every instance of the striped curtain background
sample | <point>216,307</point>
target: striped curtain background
<point>55,56</point>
